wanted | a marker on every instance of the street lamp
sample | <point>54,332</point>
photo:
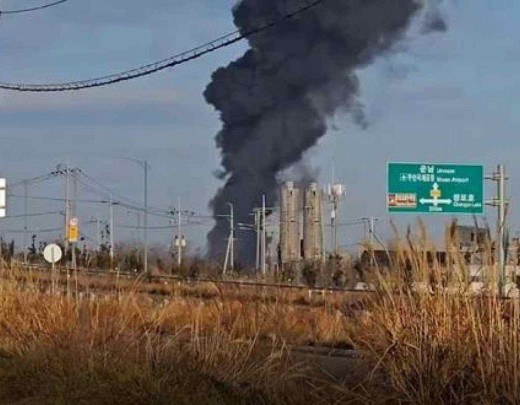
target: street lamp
<point>144,165</point>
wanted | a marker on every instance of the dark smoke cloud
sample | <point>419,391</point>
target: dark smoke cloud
<point>434,22</point>
<point>275,100</point>
<point>303,173</point>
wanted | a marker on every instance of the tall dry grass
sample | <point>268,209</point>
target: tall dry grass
<point>432,339</point>
<point>126,348</point>
<point>426,336</point>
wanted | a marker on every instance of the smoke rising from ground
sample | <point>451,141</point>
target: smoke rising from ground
<point>275,100</point>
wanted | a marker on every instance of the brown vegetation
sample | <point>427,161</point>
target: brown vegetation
<point>206,344</point>
<point>125,348</point>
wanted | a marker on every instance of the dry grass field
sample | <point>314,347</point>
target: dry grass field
<point>128,348</point>
<point>201,344</point>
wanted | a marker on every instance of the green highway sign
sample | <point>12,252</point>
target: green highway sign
<point>435,188</point>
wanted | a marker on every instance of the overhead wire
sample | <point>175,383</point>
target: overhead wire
<point>48,230</point>
<point>107,190</point>
<point>172,61</point>
<point>31,9</point>
<point>92,201</point>
<point>34,180</point>
<point>36,214</point>
<point>130,206</point>
<point>120,196</point>
<point>127,202</point>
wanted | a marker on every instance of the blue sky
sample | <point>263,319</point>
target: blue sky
<point>450,97</point>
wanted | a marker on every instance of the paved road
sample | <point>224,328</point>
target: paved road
<point>341,365</point>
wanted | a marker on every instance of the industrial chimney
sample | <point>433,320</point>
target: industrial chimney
<point>313,224</point>
<point>290,223</point>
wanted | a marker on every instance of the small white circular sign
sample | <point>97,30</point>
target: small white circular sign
<point>52,253</point>
<point>73,222</point>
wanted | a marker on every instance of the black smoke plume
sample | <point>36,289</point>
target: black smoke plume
<point>275,100</point>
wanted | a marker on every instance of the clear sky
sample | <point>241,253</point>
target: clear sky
<point>448,97</point>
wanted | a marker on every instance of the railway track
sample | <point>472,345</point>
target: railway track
<point>171,278</point>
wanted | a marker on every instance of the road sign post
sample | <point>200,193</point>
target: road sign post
<point>53,254</point>
<point>73,238</point>
<point>425,188</point>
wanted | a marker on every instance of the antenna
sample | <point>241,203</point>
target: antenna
<point>336,193</point>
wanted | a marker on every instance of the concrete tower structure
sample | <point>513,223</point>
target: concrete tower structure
<point>290,223</point>
<point>313,223</point>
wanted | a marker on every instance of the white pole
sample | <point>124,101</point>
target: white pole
<point>335,226</point>
<point>226,259</point>
<point>264,237</point>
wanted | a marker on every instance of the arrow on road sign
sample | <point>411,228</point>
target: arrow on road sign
<point>436,193</point>
<point>436,198</point>
<point>435,201</point>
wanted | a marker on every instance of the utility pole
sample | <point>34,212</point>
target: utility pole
<point>25,219</point>
<point>501,194</point>
<point>179,240</point>
<point>500,202</point>
<point>146,217</point>
<point>264,237</point>
<point>67,213</point>
<point>371,222</point>
<point>98,234</point>
<point>74,173</point>
<point>139,240</point>
<point>257,224</point>
<point>111,227</point>
<point>372,231</point>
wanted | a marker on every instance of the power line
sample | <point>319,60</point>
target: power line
<point>186,224</point>
<point>36,214</point>
<point>166,214</point>
<point>175,60</point>
<point>111,191</point>
<point>34,180</point>
<point>49,230</point>
<point>107,190</point>
<point>37,8</point>
<point>57,199</point>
